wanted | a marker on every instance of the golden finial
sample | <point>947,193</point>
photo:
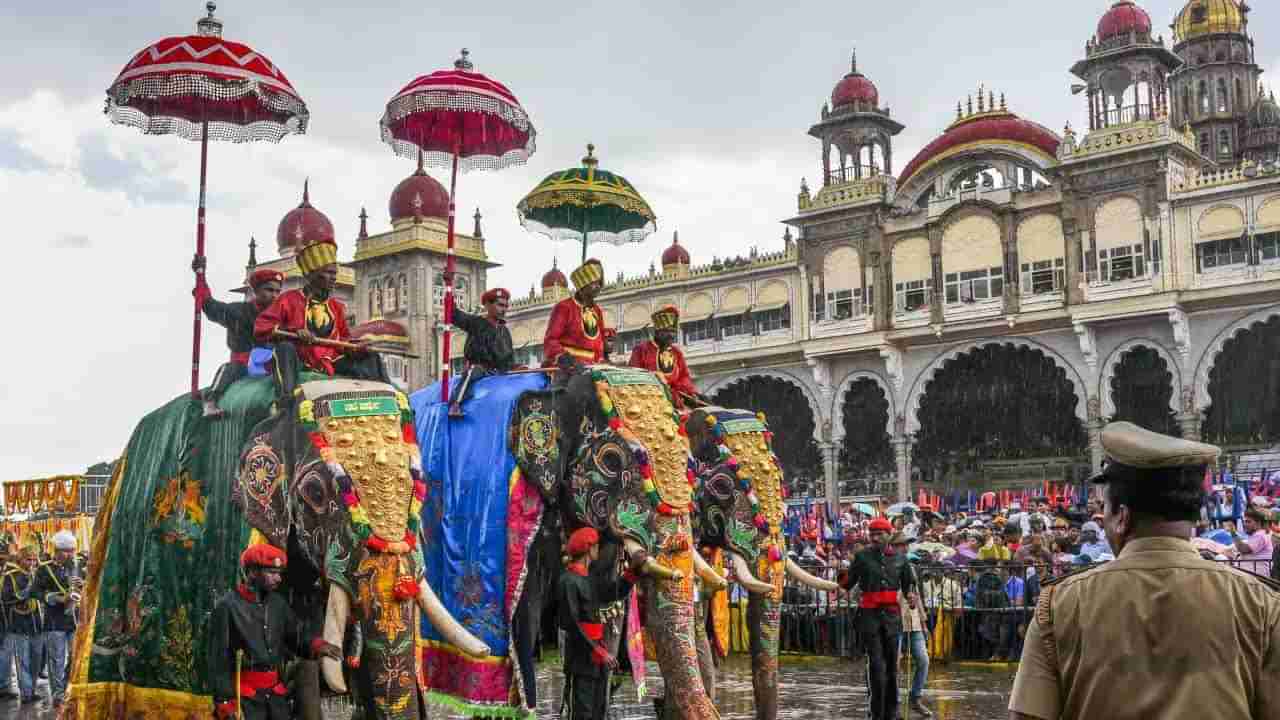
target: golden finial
<point>991,100</point>
<point>959,110</point>
<point>590,159</point>
<point>970,105</point>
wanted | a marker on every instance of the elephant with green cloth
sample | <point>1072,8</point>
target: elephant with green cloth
<point>337,481</point>
<point>740,511</point>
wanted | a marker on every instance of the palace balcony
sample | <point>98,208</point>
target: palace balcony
<point>844,318</point>
<point>1099,286</point>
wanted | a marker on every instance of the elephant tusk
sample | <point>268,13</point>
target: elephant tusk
<point>745,578</point>
<point>650,566</point>
<point>800,574</point>
<point>336,613</point>
<point>449,628</point>
<point>708,574</point>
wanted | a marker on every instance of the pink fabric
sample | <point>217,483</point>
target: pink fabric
<point>524,516</point>
<point>1258,561</point>
<point>465,679</point>
<point>635,642</point>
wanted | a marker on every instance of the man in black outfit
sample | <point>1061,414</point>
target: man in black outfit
<point>587,662</point>
<point>881,574</point>
<point>489,350</point>
<point>238,319</point>
<point>249,631</point>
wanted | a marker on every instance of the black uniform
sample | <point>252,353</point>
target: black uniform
<point>583,601</point>
<point>488,345</point>
<point>55,577</point>
<point>238,319</point>
<point>260,633</point>
<point>25,611</point>
<point>880,577</point>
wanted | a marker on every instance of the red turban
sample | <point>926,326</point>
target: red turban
<point>581,541</point>
<point>495,295</point>
<point>880,524</point>
<point>265,275</point>
<point>263,555</point>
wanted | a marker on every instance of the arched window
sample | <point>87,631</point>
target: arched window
<point>1205,148</point>
<point>1186,102</point>
<point>1239,94</point>
<point>403,302</point>
<point>1223,95</point>
<point>1204,97</point>
<point>390,295</point>
<point>375,299</point>
<point>1224,143</point>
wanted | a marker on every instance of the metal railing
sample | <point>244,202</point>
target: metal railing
<point>852,173</point>
<point>1123,115</point>
<point>970,614</point>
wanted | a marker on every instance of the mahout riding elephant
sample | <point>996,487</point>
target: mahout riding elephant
<point>337,480</point>
<point>603,450</point>
<point>740,512</point>
<point>180,508</point>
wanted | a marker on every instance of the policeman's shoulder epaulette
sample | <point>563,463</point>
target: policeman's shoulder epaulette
<point>1058,580</point>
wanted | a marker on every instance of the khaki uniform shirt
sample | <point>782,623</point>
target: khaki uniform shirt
<point>1159,632</point>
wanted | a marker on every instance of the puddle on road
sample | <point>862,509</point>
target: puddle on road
<point>814,688</point>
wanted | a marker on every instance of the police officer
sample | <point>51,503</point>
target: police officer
<point>1159,632</point>
<point>881,573</point>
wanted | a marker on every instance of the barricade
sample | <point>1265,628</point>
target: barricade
<point>975,613</point>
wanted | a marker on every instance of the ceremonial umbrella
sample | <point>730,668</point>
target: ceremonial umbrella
<point>900,508</point>
<point>202,87</point>
<point>587,204</point>
<point>464,120</point>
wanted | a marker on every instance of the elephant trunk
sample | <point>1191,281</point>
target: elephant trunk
<point>799,574</point>
<point>449,628</point>
<point>670,620</point>
<point>336,612</point>
<point>745,578</point>
<point>713,579</point>
<point>763,619</point>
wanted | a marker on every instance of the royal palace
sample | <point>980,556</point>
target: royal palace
<point>970,318</point>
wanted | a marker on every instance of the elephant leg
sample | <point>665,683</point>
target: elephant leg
<point>669,618</point>
<point>706,663</point>
<point>763,619</point>
<point>306,689</point>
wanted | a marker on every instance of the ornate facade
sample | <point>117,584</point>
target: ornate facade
<point>974,320</point>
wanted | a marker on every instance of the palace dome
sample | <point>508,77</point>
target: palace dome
<point>554,278</point>
<point>1124,17</point>
<point>675,254</point>
<point>996,128</point>
<point>1206,17</point>
<point>302,226</point>
<point>1262,129</point>
<point>419,195</point>
<point>381,332</point>
<point>855,89</point>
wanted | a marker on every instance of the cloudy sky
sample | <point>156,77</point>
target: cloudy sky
<point>703,106</point>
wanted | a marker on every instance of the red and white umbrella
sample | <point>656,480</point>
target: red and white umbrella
<point>203,87</point>
<point>464,120</point>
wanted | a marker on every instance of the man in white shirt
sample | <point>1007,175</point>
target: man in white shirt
<point>1255,546</point>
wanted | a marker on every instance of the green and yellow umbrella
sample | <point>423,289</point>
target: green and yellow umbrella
<point>588,205</point>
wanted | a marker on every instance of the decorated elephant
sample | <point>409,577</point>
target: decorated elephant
<point>739,518</point>
<point>331,480</point>
<point>604,451</point>
<point>340,481</point>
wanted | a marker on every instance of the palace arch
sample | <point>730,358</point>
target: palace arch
<point>1244,385</point>
<point>793,416</point>
<point>866,449</point>
<point>998,411</point>
<point>1141,384</point>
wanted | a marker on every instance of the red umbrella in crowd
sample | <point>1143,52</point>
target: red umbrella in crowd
<point>202,87</point>
<point>460,119</point>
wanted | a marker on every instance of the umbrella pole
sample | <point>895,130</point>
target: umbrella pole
<point>586,224</point>
<point>450,263</point>
<point>195,327</point>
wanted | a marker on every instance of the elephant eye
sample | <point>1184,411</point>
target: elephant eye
<point>314,489</point>
<point>610,459</point>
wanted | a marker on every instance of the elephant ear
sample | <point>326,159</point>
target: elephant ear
<point>535,442</point>
<point>260,488</point>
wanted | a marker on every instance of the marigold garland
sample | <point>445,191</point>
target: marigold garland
<point>360,524</point>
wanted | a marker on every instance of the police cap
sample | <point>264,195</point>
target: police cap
<point>1126,444</point>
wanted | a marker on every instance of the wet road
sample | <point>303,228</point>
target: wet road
<point>812,688</point>
<point>817,688</point>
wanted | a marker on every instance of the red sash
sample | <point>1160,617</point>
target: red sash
<point>593,631</point>
<point>879,600</point>
<point>251,682</point>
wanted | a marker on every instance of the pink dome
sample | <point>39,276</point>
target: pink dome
<point>854,87</point>
<point>554,278</point>
<point>1124,17</point>
<point>302,226</point>
<point>675,254</point>
<point>419,195</point>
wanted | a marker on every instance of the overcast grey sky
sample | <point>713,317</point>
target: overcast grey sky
<point>703,106</point>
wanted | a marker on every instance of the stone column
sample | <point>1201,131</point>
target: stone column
<point>1190,424</point>
<point>1094,426</point>
<point>831,471</point>
<point>902,450</point>
<point>936,271</point>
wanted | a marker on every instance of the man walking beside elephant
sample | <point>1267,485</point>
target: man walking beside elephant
<point>587,662</point>
<point>248,632</point>
<point>881,574</point>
